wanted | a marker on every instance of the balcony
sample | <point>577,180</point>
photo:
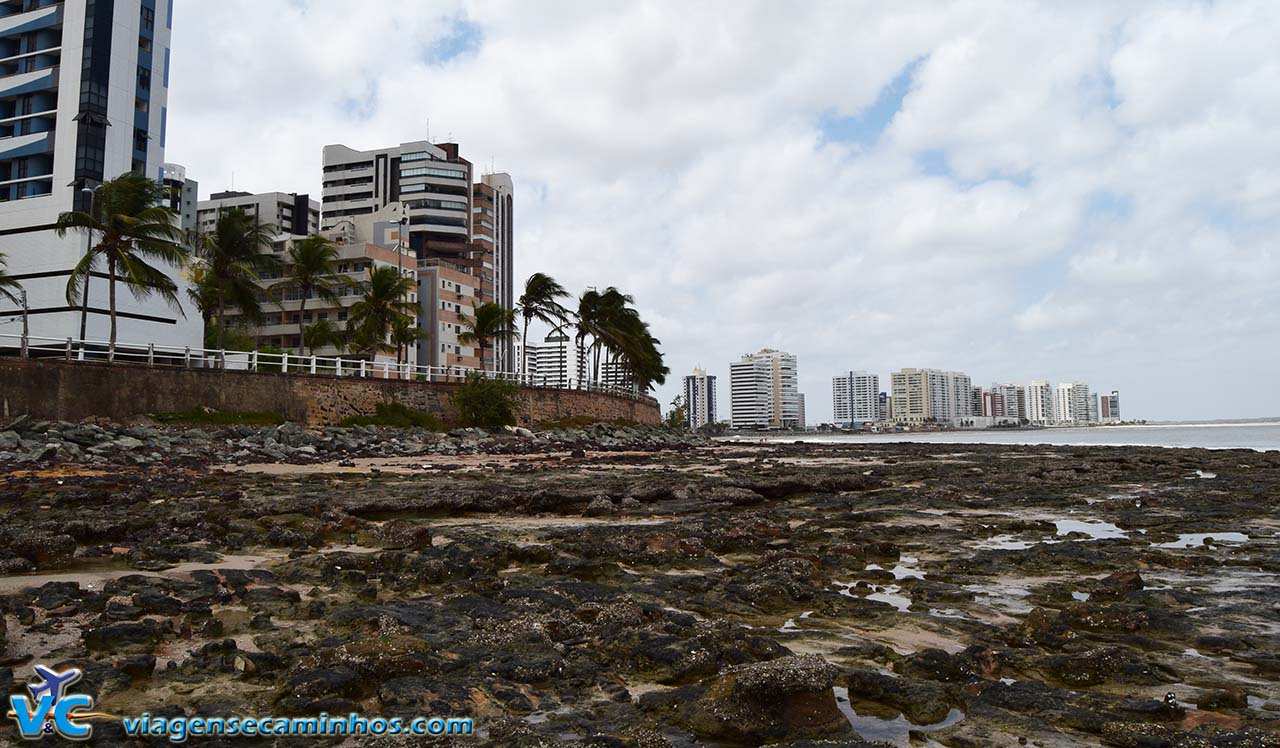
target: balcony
<point>33,20</point>
<point>20,146</point>
<point>25,83</point>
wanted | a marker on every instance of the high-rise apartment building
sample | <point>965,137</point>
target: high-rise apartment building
<point>1072,403</point>
<point>452,221</point>
<point>856,398</point>
<point>492,237</point>
<point>364,243</point>
<point>699,399</point>
<point>292,214</point>
<point>184,194</point>
<point>555,362</point>
<point>931,396</point>
<point>1008,401</point>
<point>83,98</point>
<point>1109,408</point>
<point>763,391</point>
<point>800,418</point>
<point>1040,403</point>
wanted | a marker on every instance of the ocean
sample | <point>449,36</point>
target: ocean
<point>1260,436</point>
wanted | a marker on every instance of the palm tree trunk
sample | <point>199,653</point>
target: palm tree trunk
<point>222,311</point>
<point>524,350</point>
<point>302,325</point>
<point>111,300</point>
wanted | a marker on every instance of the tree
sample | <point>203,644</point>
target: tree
<point>323,334</point>
<point>385,299</point>
<point>586,320</point>
<point>311,269</point>
<point>137,229</point>
<point>7,282</point>
<point>539,301</point>
<point>491,322</point>
<point>404,333</point>
<point>677,417</point>
<point>231,260</point>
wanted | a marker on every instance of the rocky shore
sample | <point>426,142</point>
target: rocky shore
<point>616,586</point>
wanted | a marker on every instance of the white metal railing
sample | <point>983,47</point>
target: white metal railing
<point>264,362</point>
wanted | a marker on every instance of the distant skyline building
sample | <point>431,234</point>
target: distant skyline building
<point>1008,401</point>
<point>291,213</point>
<point>1071,403</point>
<point>855,398</point>
<point>699,399</point>
<point>555,362</point>
<point>1109,407</point>
<point>763,390</point>
<point>931,396</point>
<point>84,90</point>
<point>1040,403</point>
<point>184,194</point>
<point>800,416</point>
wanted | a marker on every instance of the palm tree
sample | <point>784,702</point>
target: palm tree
<point>586,319</point>
<point>312,269</point>
<point>7,282</point>
<point>491,322</point>
<point>614,321</point>
<point>373,316</point>
<point>539,301</point>
<point>404,333</point>
<point>231,260</point>
<point>136,229</point>
<point>323,334</point>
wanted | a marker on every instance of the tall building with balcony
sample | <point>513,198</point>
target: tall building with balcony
<point>454,223</point>
<point>699,399</point>
<point>1040,403</point>
<point>1008,401</point>
<point>83,99</point>
<point>555,362</point>
<point>292,214</point>
<point>856,398</point>
<point>184,194</point>
<point>1072,403</point>
<point>763,391</point>
<point>364,243</point>
<point>1109,407</point>
<point>931,396</point>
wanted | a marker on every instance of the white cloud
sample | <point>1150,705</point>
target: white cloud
<point>677,153</point>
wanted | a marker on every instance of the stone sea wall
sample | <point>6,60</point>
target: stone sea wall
<point>59,390</point>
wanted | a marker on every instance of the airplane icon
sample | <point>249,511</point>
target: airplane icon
<point>54,683</point>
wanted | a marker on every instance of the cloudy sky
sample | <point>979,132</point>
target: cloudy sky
<point>1085,191</point>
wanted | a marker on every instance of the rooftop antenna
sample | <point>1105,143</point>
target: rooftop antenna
<point>428,129</point>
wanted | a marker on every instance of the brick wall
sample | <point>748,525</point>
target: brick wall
<point>72,391</point>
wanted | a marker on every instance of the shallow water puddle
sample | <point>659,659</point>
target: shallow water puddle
<point>1204,474</point>
<point>1196,539</point>
<point>1004,543</point>
<point>889,594</point>
<point>896,731</point>
<point>1096,529</point>
<point>903,570</point>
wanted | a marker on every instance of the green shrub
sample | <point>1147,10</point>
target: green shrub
<point>210,417</point>
<point>395,414</point>
<point>486,403</point>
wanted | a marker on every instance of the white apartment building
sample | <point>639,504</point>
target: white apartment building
<point>84,90</point>
<point>292,214</point>
<point>1072,403</point>
<point>800,420</point>
<point>763,391</point>
<point>555,362</point>
<point>1008,401</point>
<point>699,399</point>
<point>1040,403</point>
<point>493,234</point>
<point>184,194</point>
<point>364,243</point>
<point>931,396</point>
<point>856,398</point>
<point>1109,408</point>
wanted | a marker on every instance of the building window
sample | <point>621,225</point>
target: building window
<point>148,19</point>
<point>139,139</point>
<point>144,78</point>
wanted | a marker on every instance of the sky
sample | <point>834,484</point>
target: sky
<point>1084,191</point>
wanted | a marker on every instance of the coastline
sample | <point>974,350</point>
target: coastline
<point>624,585</point>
